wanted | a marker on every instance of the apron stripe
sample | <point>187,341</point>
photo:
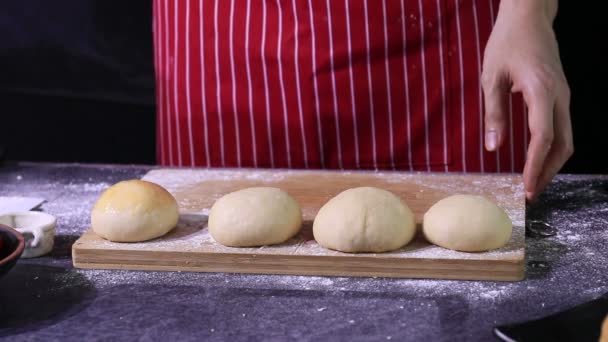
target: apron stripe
<point>370,88</point>
<point>235,109</point>
<point>435,79</point>
<point>266,94</point>
<point>475,155</point>
<point>343,77</point>
<point>443,94</point>
<point>408,112</point>
<point>375,44</point>
<point>241,85</point>
<point>463,131</point>
<point>277,86</point>
<point>160,129</point>
<point>352,84</point>
<point>156,74</point>
<point>215,131</point>
<point>424,87</point>
<point>203,84</point>
<point>480,95</point>
<point>259,77</point>
<point>274,85</point>
<point>289,98</point>
<point>298,86</point>
<point>218,85</point>
<point>315,84</point>
<point>388,86</point>
<point>166,82</point>
<point>188,88</point>
<point>282,83</point>
<point>358,57</point>
<point>321,74</point>
<point>190,85</point>
<point>176,63</point>
<point>249,84</point>
<point>333,84</point>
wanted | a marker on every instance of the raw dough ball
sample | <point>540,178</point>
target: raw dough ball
<point>133,211</point>
<point>467,223</point>
<point>604,336</point>
<point>255,217</point>
<point>364,220</point>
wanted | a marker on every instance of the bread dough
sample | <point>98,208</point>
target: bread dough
<point>467,223</point>
<point>134,210</point>
<point>604,336</point>
<point>255,217</point>
<point>364,220</point>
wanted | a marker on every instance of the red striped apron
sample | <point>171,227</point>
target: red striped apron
<point>350,84</point>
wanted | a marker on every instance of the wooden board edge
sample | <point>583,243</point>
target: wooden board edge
<point>498,270</point>
<point>508,277</point>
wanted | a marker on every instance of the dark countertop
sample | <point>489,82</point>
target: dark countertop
<point>47,299</point>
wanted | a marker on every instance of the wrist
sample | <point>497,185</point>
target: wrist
<point>533,9</point>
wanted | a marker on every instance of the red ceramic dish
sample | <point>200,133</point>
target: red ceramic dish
<point>12,246</point>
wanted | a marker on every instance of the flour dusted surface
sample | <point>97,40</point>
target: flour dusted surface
<point>562,271</point>
<point>189,186</point>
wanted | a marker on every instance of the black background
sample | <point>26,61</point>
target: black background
<point>77,81</point>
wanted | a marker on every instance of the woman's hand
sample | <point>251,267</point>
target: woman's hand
<point>522,56</point>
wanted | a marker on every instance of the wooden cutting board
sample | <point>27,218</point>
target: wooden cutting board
<point>189,247</point>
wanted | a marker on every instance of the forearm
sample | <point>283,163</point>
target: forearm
<point>534,8</point>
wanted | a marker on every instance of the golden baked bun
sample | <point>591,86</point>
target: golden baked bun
<point>133,211</point>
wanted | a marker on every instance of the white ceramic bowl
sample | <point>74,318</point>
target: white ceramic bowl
<point>37,228</point>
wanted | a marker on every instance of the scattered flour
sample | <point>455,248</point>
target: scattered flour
<point>562,270</point>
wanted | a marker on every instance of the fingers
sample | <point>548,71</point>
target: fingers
<point>562,147</point>
<point>541,103</point>
<point>496,95</point>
